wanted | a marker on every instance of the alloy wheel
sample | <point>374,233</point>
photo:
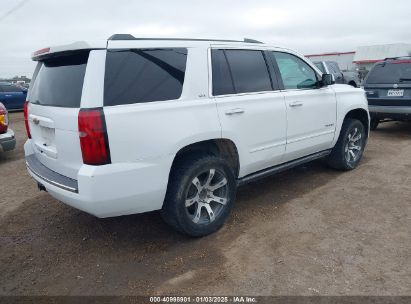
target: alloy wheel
<point>207,196</point>
<point>353,148</point>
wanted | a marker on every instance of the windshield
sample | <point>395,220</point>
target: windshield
<point>320,66</point>
<point>59,81</point>
<point>395,72</point>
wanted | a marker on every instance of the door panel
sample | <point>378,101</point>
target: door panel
<point>311,111</point>
<point>311,116</point>
<point>258,124</point>
<point>251,109</point>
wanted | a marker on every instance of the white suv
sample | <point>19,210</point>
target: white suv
<point>134,125</point>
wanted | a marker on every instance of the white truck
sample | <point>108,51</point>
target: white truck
<point>135,125</point>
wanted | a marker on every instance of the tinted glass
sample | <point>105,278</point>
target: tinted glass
<point>249,71</point>
<point>320,66</point>
<point>10,88</point>
<point>144,75</point>
<point>390,73</point>
<point>222,82</point>
<point>295,73</point>
<point>59,81</point>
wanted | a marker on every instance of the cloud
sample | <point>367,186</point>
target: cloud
<point>307,26</point>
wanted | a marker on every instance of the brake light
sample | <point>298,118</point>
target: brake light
<point>93,137</point>
<point>4,122</point>
<point>41,51</point>
<point>26,118</point>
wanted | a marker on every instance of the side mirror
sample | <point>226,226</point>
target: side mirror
<point>327,79</point>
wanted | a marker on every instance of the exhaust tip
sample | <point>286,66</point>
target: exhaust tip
<point>41,187</point>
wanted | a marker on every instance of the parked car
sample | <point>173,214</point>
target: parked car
<point>12,96</point>
<point>7,139</point>
<point>135,125</point>
<point>388,89</point>
<point>331,67</point>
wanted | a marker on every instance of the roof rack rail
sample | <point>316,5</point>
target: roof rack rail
<point>131,37</point>
<point>249,40</point>
<point>398,57</point>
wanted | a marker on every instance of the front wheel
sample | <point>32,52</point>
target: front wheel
<point>349,149</point>
<point>200,195</point>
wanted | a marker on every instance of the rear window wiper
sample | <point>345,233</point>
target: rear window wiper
<point>405,79</point>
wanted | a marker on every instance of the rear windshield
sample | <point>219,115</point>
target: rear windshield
<point>144,75</point>
<point>390,73</point>
<point>59,81</point>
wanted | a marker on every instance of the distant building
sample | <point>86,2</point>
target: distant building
<point>365,56</point>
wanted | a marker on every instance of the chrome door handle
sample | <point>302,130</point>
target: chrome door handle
<point>7,95</point>
<point>296,104</point>
<point>234,111</point>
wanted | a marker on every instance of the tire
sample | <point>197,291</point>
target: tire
<point>347,153</point>
<point>353,84</point>
<point>374,124</point>
<point>208,186</point>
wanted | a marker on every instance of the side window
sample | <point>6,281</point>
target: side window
<point>249,71</point>
<point>222,82</point>
<point>144,75</point>
<point>295,73</point>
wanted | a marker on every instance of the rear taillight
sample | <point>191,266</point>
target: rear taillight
<point>4,121</point>
<point>26,118</point>
<point>93,137</point>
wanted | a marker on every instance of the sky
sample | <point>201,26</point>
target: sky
<point>309,27</point>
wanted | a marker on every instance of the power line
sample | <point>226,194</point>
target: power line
<point>13,9</point>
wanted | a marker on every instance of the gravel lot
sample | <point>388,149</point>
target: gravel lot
<point>307,231</point>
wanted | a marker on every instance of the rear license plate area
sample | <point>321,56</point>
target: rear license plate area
<point>395,93</point>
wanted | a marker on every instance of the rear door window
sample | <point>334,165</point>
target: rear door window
<point>390,73</point>
<point>249,71</point>
<point>144,75</point>
<point>59,81</point>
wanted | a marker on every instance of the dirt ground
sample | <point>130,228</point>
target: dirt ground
<point>307,231</point>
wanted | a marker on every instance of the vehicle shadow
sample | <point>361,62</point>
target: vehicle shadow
<point>44,234</point>
<point>399,129</point>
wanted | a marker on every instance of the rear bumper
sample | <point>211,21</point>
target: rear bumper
<point>7,141</point>
<point>106,191</point>
<point>394,112</point>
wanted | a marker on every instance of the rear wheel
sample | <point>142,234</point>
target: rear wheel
<point>349,149</point>
<point>200,195</point>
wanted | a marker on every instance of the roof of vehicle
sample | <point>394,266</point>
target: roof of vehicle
<point>121,40</point>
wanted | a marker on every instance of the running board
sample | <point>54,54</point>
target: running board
<point>279,168</point>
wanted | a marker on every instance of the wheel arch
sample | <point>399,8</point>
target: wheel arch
<point>362,115</point>
<point>223,147</point>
